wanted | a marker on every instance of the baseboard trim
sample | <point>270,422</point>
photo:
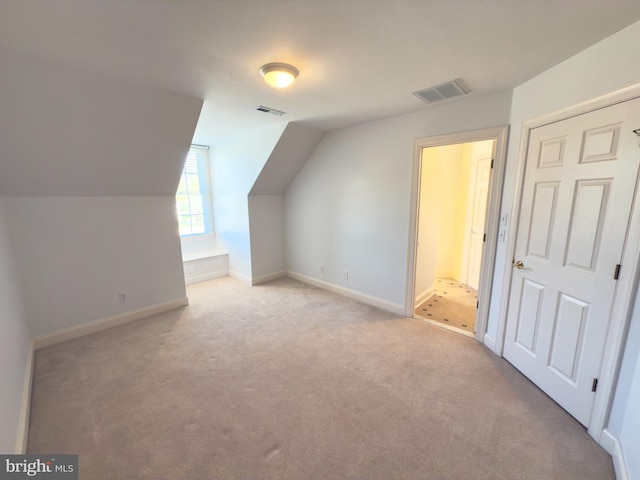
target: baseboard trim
<point>424,295</point>
<point>240,276</point>
<point>490,343</point>
<point>267,278</point>
<point>611,444</point>
<point>105,323</point>
<point>347,292</point>
<point>25,408</point>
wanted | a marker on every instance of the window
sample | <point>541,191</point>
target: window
<point>193,198</point>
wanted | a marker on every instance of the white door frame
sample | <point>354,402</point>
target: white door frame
<point>624,296</point>
<point>499,134</point>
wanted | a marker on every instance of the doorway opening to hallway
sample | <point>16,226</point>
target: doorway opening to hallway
<point>452,207</point>
<point>455,228</point>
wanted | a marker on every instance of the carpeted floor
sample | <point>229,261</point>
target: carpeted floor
<point>286,381</point>
<point>453,304</point>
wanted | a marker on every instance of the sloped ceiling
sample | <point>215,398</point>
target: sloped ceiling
<point>99,97</point>
<point>359,59</point>
<point>290,153</point>
<point>70,132</point>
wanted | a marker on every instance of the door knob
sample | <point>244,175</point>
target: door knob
<point>518,264</point>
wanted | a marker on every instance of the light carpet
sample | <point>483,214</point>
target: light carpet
<point>286,381</point>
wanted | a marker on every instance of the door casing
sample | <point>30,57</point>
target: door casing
<point>499,134</point>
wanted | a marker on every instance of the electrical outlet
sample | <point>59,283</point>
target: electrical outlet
<point>321,268</point>
<point>346,275</point>
<point>122,296</point>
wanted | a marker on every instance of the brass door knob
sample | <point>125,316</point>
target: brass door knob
<point>518,264</point>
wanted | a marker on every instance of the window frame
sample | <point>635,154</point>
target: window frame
<point>203,167</point>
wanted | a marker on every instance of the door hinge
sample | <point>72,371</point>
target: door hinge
<point>492,163</point>
<point>477,304</point>
<point>594,385</point>
<point>484,237</point>
<point>616,273</point>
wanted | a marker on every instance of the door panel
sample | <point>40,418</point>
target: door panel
<point>579,185</point>
<point>587,220</point>
<point>529,315</point>
<point>569,327</point>
<point>544,208</point>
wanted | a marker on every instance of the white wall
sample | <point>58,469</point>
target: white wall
<point>236,165</point>
<point>266,201</point>
<point>75,254</point>
<point>605,67</point>
<point>348,207</point>
<point>266,217</point>
<point>14,344</point>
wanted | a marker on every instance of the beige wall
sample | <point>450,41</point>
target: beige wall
<point>450,201</point>
<point>445,211</point>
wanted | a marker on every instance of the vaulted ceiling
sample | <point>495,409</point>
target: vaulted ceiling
<point>359,59</point>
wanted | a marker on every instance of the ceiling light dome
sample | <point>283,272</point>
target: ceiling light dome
<point>279,75</point>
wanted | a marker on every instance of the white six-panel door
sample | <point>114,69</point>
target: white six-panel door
<point>579,184</point>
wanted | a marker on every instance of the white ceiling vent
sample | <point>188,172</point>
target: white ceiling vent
<point>441,92</point>
<point>272,111</point>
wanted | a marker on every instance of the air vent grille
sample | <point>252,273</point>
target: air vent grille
<point>441,92</point>
<point>272,111</point>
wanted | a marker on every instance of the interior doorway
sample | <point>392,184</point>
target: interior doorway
<point>452,206</point>
<point>455,218</point>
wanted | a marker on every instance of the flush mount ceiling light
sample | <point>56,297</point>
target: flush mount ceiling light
<point>279,75</point>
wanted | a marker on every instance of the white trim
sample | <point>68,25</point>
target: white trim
<point>490,342</point>
<point>618,96</point>
<point>424,295</point>
<point>499,134</point>
<point>611,444</point>
<point>25,408</point>
<point>267,278</point>
<point>395,308</point>
<point>202,254</point>
<point>608,441</point>
<point>105,323</point>
<point>621,310</point>
<point>620,318</point>
<point>240,276</point>
<point>501,327</point>
<point>471,200</point>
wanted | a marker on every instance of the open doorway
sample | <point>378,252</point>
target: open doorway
<point>453,194</point>
<point>456,201</point>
